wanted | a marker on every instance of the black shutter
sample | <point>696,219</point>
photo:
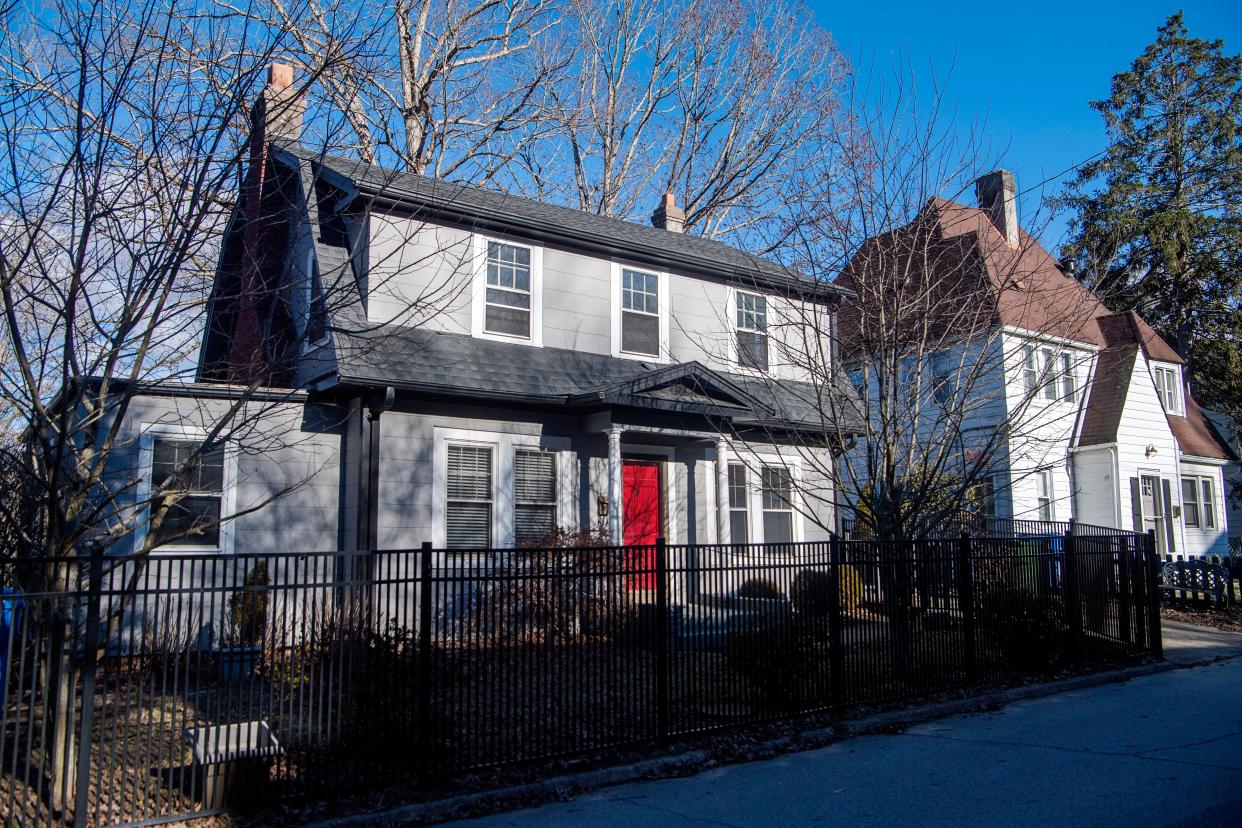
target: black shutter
<point>1136,504</point>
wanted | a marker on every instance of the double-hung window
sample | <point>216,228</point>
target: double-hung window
<point>1030,369</point>
<point>1044,499</point>
<point>752,331</point>
<point>739,496</point>
<point>640,312</point>
<point>1068,386</point>
<point>1169,389</point>
<point>194,520</point>
<point>534,495</point>
<point>507,301</point>
<point>776,492</point>
<point>468,502</point>
<point>1049,367</point>
<point>1198,502</point>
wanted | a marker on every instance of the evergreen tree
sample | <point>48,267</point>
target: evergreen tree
<point>1156,221</point>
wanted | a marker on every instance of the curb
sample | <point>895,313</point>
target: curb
<point>563,787</point>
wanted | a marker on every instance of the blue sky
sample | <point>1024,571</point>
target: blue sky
<point>1028,69</point>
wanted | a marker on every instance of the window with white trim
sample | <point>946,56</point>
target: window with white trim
<point>1169,388</point>
<point>640,312</point>
<point>534,495</point>
<point>194,520</point>
<point>1030,369</point>
<point>776,493</point>
<point>507,301</point>
<point>739,511</point>
<point>1044,498</point>
<point>1199,502</point>
<point>468,497</point>
<point>752,331</point>
<point>1049,373</point>
<point>1068,382</point>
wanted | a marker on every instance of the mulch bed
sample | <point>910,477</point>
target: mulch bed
<point>1228,619</point>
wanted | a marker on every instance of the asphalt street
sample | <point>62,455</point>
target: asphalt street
<point>1163,750</point>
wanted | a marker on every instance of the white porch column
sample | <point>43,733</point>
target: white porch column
<point>614,485</point>
<point>722,491</point>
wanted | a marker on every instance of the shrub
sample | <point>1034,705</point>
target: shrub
<point>759,588</point>
<point>1026,627</point>
<point>811,592</point>
<point>247,618</point>
<point>772,654</point>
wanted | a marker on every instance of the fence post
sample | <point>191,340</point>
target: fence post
<point>1073,599</point>
<point>661,631</point>
<point>1123,595</point>
<point>424,653</point>
<point>836,656</point>
<point>966,602</point>
<point>90,663</point>
<point>1154,636</point>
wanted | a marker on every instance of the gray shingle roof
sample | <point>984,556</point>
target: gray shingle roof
<point>458,365</point>
<point>523,216</point>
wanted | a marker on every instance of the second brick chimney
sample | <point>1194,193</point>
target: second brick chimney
<point>668,216</point>
<point>997,195</point>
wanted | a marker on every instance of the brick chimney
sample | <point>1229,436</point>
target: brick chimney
<point>997,195</point>
<point>668,216</point>
<point>277,115</point>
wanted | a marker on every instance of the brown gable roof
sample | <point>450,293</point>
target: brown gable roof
<point>1196,435</point>
<point>1031,291</point>
<point>1113,369</point>
<point>991,282</point>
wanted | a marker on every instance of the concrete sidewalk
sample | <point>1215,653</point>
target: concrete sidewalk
<point>1164,749</point>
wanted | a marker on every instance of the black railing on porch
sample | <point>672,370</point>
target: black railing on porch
<point>308,674</point>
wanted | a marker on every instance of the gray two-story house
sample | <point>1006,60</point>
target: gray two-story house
<point>455,365</point>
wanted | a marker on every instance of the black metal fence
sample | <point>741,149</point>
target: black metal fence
<point>185,684</point>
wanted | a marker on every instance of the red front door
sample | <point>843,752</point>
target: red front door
<point>640,516</point>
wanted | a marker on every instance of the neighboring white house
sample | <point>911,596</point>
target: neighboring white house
<point>1100,426</point>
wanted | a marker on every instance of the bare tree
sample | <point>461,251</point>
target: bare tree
<point>942,394</point>
<point>442,87</point>
<point>723,103</point>
<point>128,160</point>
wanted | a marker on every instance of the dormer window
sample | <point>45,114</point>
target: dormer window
<point>752,331</point>
<point>1169,388</point>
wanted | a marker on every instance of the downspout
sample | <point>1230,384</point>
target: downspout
<point>1112,450</point>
